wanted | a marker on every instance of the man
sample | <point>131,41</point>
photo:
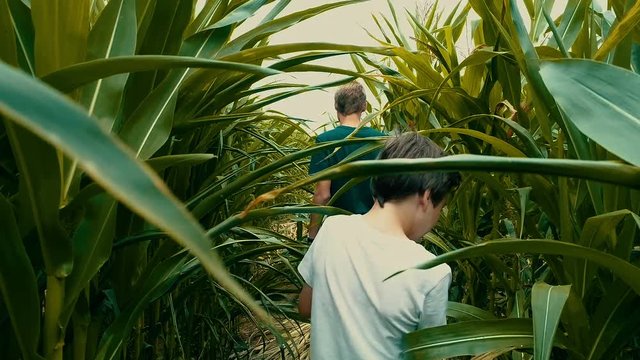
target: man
<point>355,313</point>
<point>350,103</point>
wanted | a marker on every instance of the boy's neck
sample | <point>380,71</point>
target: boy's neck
<point>393,219</point>
<point>352,120</point>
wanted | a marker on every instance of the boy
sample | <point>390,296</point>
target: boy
<point>350,103</point>
<point>355,314</point>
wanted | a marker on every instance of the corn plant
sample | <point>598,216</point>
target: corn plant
<point>128,128</point>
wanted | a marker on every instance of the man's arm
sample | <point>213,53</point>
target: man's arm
<point>304,302</point>
<point>321,196</point>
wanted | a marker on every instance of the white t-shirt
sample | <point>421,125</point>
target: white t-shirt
<point>354,313</point>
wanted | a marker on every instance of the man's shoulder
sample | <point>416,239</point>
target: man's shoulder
<point>329,135</point>
<point>340,133</point>
<point>370,132</point>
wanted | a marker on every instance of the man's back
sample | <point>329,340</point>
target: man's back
<point>358,199</point>
<point>355,313</point>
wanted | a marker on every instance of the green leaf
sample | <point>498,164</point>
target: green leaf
<point>211,197</point>
<point>8,49</point>
<point>465,312</point>
<point>163,162</point>
<point>635,57</point>
<point>18,285</point>
<point>593,170</point>
<point>77,75</point>
<point>613,315</point>
<point>497,143</point>
<point>620,31</point>
<point>111,36</point>
<point>92,243</point>
<point>39,196</point>
<point>596,232</point>
<point>593,94</point>
<point>572,21</point>
<point>242,218</point>
<point>468,338</point>
<point>163,26</point>
<point>627,272</point>
<point>158,278</point>
<point>144,15</point>
<point>113,166</point>
<point>538,23</point>
<point>547,303</point>
<point>25,34</point>
<point>61,29</point>
<point>262,31</point>
<point>149,126</point>
<point>238,14</point>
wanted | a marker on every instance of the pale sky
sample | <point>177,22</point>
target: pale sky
<point>343,25</point>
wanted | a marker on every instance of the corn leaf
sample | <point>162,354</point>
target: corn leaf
<point>627,272</point>
<point>61,29</point>
<point>593,95</point>
<point>51,116</point>
<point>77,75</point>
<point>18,285</point>
<point>20,19</point>
<point>547,303</point>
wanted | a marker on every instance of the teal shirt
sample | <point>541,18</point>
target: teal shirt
<point>358,199</point>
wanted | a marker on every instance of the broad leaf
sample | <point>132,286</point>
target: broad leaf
<point>627,272</point>
<point>240,13</point>
<point>8,49</point>
<point>593,170</point>
<point>162,26</point>
<point>91,248</point>
<point>572,21</point>
<point>465,312</point>
<point>24,34</point>
<point>242,218</point>
<point>61,28</point>
<point>620,31</point>
<point>598,233</point>
<point>613,315</point>
<point>263,31</point>
<point>469,338</point>
<point>547,303</point>
<point>51,116</point>
<point>163,162</point>
<point>149,126</point>
<point>39,197</point>
<point>77,75</point>
<point>111,36</point>
<point>538,24</point>
<point>18,285</point>
<point>593,95</point>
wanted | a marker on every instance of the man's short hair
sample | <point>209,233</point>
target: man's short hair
<point>412,145</point>
<point>350,99</point>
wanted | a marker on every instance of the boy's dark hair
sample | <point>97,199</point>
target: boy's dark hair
<point>412,145</point>
<point>350,99</point>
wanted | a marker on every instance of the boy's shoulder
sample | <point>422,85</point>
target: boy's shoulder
<point>339,220</point>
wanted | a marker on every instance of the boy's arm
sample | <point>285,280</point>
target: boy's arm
<point>304,304</point>
<point>321,196</point>
<point>434,309</point>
